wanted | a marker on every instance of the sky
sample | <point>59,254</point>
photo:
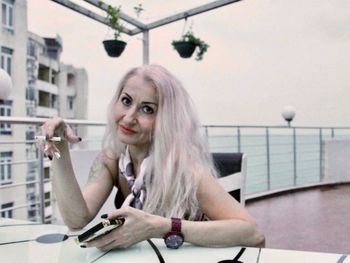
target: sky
<point>263,56</point>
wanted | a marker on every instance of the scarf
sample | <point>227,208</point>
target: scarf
<point>136,184</point>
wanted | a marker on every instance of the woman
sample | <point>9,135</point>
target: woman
<point>155,154</point>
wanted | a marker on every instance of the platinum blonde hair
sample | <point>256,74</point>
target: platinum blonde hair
<point>179,152</point>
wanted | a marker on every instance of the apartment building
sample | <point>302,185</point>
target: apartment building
<point>43,86</point>
<point>13,51</point>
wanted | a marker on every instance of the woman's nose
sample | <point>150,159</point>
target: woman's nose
<point>130,115</point>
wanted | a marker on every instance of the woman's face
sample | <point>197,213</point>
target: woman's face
<point>135,112</point>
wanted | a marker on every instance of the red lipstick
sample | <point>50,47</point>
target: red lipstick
<point>126,130</point>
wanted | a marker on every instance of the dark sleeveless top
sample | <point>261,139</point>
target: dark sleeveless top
<point>123,191</point>
<point>120,197</point>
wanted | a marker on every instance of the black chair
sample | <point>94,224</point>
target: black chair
<point>232,168</point>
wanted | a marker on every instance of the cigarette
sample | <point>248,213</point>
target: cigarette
<point>43,138</point>
<point>57,154</point>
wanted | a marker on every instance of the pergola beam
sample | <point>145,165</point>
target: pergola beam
<point>123,16</point>
<point>186,14</point>
<point>140,27</point>
<point>86,12</point>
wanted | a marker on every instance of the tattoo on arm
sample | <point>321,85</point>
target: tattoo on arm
<point>99,165</point>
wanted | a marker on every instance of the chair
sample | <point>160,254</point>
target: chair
<point>232,168</point>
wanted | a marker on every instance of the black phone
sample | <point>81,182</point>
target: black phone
<point>102,228</point>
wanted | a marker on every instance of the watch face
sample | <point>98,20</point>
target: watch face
<point>174,241</point>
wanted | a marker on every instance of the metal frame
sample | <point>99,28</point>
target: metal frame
<point>139,26</point>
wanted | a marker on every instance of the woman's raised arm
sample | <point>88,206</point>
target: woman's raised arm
<point>77,207</point>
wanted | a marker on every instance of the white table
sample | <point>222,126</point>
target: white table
<point>18,244</point>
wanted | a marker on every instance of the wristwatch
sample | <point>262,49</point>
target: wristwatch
<point>174,238</point>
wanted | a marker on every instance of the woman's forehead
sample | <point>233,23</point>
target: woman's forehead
<point>137,86</point>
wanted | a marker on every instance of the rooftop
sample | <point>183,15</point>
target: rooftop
<point>314,219</point>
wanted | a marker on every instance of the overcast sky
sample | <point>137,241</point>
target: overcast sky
<point>263,55</point>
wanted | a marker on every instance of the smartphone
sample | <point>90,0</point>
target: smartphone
<point>102,228</point>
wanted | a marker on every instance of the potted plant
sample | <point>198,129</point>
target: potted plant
<point>187,45</point>
<point>114,47</point>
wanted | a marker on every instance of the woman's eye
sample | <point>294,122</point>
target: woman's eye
<point>126,101</point>
<point>147,109</point>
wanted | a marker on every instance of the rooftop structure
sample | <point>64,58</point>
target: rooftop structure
<point>43,86</point>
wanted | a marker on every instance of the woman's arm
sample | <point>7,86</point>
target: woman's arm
<point>77,207</point>
<point>229,225</point>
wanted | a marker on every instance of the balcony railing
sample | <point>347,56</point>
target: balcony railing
<point>279,157</point>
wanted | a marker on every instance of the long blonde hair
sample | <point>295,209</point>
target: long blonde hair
<point>179,152</point>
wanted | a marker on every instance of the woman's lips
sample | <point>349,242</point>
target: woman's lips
<point>126,130</point>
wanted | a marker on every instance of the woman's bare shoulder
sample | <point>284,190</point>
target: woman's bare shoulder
<point>108,154</point>
<point>109,159</point>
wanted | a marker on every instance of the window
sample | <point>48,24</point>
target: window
<point>47,199</point>
<point>7,14</point>
<point>30,93</point>
<point>54,77</point>
<point>47,173</point>
<point>44,99</point>
<point>5,110</point>
<point>32,48</point>
<point>30,135</point>
<point>5,167</point>
<point>54,101</point>
<point>8,212</point>
<point>6,59</point>
<point>70,102</point>
<point>70,80</point>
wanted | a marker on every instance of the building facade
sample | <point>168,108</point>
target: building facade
<point>43,86</point>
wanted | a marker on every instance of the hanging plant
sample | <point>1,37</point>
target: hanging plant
<point>114,47</point>
<point>138,9</point>
<point>188,44</point>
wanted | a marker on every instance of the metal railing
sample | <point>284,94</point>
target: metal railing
<point>278,157</point>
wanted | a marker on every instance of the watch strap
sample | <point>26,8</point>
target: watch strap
<point>176,225</point>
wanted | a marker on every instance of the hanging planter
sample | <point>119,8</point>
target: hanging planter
<point>114,47</point>
<point>188,44</point>
<point>185,49</point>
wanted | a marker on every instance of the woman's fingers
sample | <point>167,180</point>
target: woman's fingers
<point>51,150</point>
<point>54,126</point>
<point>52,132</point>
<point>122,212</point>
<point>108,241</point>
<point>70,135</point>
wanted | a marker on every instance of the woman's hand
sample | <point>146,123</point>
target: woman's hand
<point>56,127</point>
<point>138,226</point>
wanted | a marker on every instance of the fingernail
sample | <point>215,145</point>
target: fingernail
<point>83,246</point>
<point>104,216</point>
<point>57,154</point>
<point>50,157</point>
<point>80,139</point>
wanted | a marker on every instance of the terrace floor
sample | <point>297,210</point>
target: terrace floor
<point>316,219</point>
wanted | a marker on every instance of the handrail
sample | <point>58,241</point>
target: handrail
<point>24,183</point>
<point>267,155</point>
<point>28,120</point>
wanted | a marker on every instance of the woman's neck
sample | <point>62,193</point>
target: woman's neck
<point>137,155</point>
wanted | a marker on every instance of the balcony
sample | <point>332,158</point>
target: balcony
<point>46,111</point>
<point>46,86</point>
<point>297,184</point>
<point>49,62</point>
